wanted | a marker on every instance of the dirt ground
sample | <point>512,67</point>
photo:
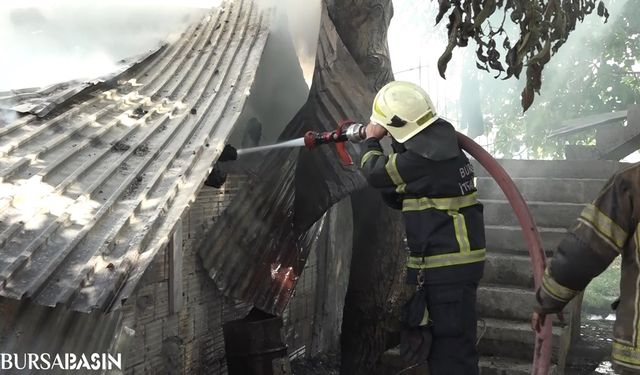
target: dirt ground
<point>325,364</point>
<point>591,353</point>
<point>589,356</point>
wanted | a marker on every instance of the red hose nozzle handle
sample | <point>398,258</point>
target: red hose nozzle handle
<point>340,146</point>
<point>313,139</point>
<point>310,139</point>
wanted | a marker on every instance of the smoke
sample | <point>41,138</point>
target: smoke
<point>59,40</point>
<point>47,42</point>
<point>286,70</point>
<point>301,21</point>
<point>7,117</point>
<point>416,44</point>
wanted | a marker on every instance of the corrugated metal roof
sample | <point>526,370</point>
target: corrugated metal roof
<point>29,328</point>
<point>585,123</point>
<point>91,192</point>
<point>42,100</point>
<point>258,247</point>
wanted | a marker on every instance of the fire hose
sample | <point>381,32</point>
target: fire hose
<point>542,350</point>
<point>354,132</point>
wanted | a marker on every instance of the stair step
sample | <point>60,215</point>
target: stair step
<point>556,192</point>
<point>506,348</point>
<point>505,237</point>
<point>507,366</point>
<point>504,366</point>
<point>574,190</point>
<point>508,269</point>
<point>593,169</point>
<point>512,339</point>
<point>504,302</point>
<point>545,214</point>
<point>508,302</point>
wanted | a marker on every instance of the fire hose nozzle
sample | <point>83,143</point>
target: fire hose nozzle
<point>346,131</point>
<point>356,133</point>
<point>312,139</point>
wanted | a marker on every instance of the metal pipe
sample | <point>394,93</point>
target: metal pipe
<point>542,351</point>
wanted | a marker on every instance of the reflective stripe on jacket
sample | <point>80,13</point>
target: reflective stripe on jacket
<point>443,218</point>
<point>606,228</point>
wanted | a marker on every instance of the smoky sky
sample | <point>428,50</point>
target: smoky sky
<point>49,42</point>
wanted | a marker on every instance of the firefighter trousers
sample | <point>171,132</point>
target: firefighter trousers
<point>452,311</point>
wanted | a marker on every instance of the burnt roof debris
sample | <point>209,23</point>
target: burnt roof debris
<point>66,229</point>
<point>40,101</point>
<point>257,249</point>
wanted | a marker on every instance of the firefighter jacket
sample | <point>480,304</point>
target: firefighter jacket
<point>606,228</point>
<point>438,199</point>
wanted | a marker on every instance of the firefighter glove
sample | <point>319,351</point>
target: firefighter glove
<point>217,178</point>
<point>228,153</point>
<point>544,306</point>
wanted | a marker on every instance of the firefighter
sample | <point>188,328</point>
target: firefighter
<point>430,179</point>
<point>606,228</point>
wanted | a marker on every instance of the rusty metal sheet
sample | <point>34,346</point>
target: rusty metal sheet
<point>89,193</point>
<point>257,249</point>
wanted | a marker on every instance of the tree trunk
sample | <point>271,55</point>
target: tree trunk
<point>362,26</point>
<point>378,248</point>
<point>375,281</point>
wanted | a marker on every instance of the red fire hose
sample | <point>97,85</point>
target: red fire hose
<point>542,353</point>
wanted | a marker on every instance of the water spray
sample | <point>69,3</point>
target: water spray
<point>347,131</point>
<point>298,142</point>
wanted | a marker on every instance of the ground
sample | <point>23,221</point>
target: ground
<point>602,291</point>
<point>325,364</point>
<point>590,354</point>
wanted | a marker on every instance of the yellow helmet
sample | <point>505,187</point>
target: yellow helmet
<point>404,109</point>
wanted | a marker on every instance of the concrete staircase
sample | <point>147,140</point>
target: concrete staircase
<point>556,191</point>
